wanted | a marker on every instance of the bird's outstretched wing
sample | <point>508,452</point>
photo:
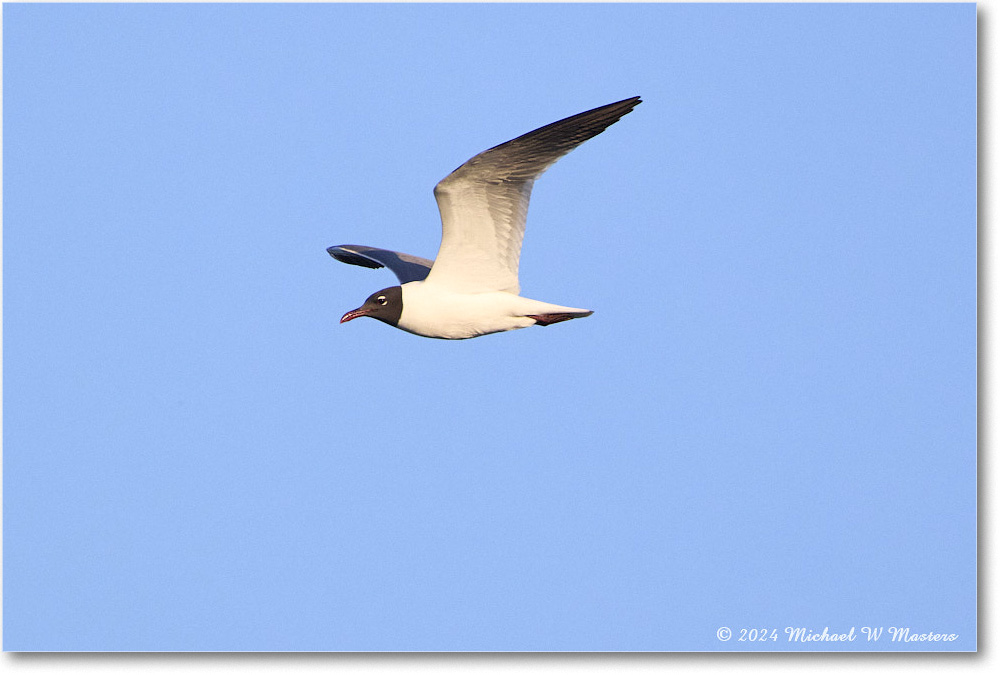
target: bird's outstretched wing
<point>406,267</point>
<point>484,202</point>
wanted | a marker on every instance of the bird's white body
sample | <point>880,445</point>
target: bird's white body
<point>433,311</point>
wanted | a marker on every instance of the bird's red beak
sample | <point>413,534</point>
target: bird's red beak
<point>354,314</point>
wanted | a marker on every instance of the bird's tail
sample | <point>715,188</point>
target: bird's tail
<point>549,319</point>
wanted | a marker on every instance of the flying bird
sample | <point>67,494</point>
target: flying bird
<point>471,288</point>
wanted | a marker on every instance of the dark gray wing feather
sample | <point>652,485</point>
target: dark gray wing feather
<point>528,156</point>
<point>406,267</point>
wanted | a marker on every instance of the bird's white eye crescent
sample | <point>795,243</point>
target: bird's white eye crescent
<point>381,300</point>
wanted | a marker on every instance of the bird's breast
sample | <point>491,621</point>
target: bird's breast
<point>439,313</point>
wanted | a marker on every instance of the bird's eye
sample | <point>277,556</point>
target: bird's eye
<point>381,300</point>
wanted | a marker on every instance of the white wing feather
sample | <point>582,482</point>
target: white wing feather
<point>484,202</point>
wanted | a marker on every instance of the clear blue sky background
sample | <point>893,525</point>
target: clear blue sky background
<point>769,421</point>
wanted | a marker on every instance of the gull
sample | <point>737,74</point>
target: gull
<point>472,287</point>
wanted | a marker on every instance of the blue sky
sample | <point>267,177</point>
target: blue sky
<point>769,421</point>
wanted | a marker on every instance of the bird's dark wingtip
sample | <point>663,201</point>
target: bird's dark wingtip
<point>629,102</point>
<point>345,254</point>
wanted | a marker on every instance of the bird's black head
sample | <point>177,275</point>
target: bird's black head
<point>385,305</point>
